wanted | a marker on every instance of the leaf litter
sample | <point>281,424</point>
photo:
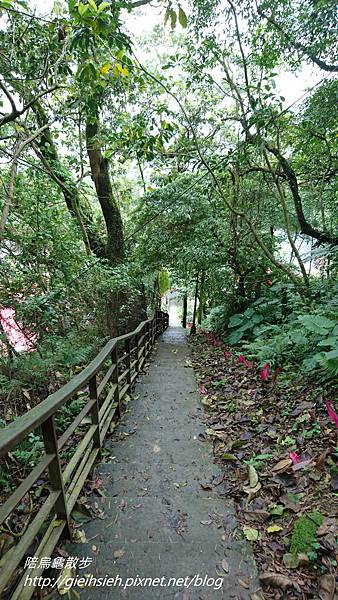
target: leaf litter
<point>277,446</point>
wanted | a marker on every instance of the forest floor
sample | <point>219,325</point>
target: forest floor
<point>160,509</point>
<point>277,449</point>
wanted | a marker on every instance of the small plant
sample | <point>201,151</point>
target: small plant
<point>29,451</point>
<point>313,554</point>
<point>259,460</point>
<point>305,532</point>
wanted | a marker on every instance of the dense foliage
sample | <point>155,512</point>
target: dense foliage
<point>178,159</point>
<point>117,172</point>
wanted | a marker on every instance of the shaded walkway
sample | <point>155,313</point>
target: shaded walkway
<point>158,520</point>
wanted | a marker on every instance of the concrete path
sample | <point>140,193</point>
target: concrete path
<point>158,521</point>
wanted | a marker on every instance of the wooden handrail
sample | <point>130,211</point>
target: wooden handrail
<point>103,404</point>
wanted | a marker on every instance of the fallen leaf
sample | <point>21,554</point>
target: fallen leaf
<point>250,533</point>
<point>301,465</point>
<point>291,561</point>
<point>277,510</point>
<point>79,536</point>
<point>282,465</point>
<point>253,476</point>
<point>274,528</point>
<point>276,580</point>
<point>81,514</point>
<point>228,456</point>
<point>252,491</point>
<point>326,587</point>
<point>225,565</point>
<point>119,553</point>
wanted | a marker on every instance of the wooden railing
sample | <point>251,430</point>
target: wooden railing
<point>105,387</point>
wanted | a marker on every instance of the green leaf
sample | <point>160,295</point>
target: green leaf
<point>228,456</point>
<point>105,69</point>
<point>82,9</point>
<point>173,19</point>
<point>92,5</point>
<point>332,340</point>
<point>317,323</point>
<point>182,17</point>
<point>251,534</point>
<point>274,528</point>
<point>166,16</point>
<point>6,4</point>
<point>277,510</point>
<point>291,561</point>
<point>103,6</point>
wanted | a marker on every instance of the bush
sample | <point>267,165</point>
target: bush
<point>280,329</point>
<point>216,320</point>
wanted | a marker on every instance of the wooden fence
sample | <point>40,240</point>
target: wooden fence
<point>105,382</point>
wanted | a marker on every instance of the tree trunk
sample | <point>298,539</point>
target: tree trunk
<point>78,210</point>
<point>305,227</point>
<point>185,310</point>
<point>111,213</point>
<point>193,327</point>
<point>201,298</point>
<point>9,194</point>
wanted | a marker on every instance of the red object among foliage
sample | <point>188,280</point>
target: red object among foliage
<point>265,372</point>
<point>20,340</point>
<point>245,362</point>
<point>332,414</point>
<point>295,458</point>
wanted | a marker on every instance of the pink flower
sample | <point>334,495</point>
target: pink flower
<point>241,359</point>
<point>265,372</point>
<point>295,458</point>
<point>332,414</point>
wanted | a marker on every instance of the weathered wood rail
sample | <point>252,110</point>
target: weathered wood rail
<point>105,387</point>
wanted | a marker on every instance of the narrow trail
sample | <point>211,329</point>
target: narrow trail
<point>158,520</point>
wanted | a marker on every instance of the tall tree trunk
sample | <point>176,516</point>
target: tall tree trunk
<point>9,193</point>
<point>193,327</point>
<point>78,210</point>
<point>101,178</point>
<point>201,298</point>
<point>185,309</point>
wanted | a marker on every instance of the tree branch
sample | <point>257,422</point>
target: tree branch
<point>16,112</point>
<point>297,45</point>
<point>305,227</point>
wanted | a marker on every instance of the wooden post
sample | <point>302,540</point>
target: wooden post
<point>128,361</point>
<point>55,473</point>
<point>95,412</point>
<point>115,379</point>
<point>147,339</point>
<point>137,356</point>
